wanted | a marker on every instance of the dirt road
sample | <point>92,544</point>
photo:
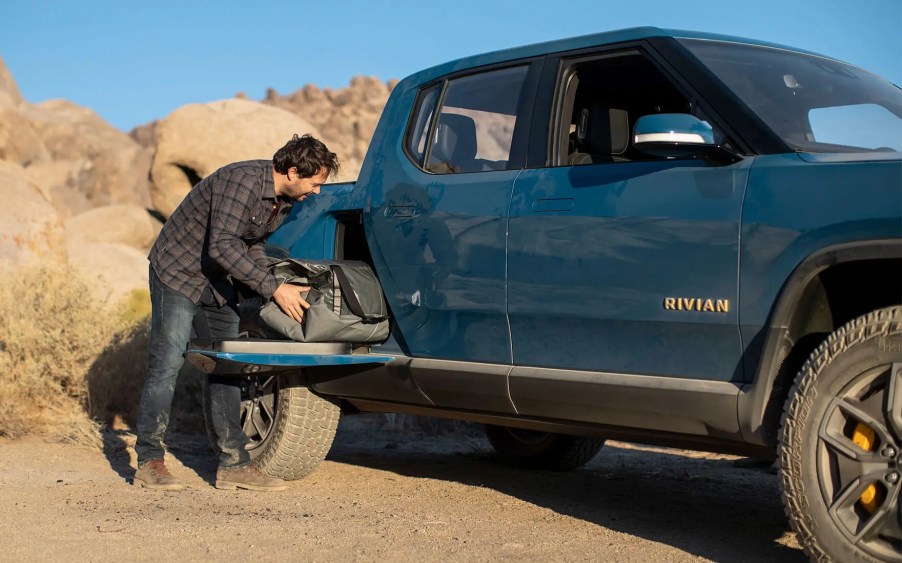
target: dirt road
<point>384,495</point>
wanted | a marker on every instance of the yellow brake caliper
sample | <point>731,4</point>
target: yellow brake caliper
<point>864,438</point>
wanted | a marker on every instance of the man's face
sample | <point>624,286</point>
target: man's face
<point>300,188</point>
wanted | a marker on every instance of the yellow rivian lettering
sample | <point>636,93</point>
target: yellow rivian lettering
<point>699,304</point>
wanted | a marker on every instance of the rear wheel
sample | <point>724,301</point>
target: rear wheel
<point>289,428</point>
<point>542,450</point>
<point>841,443</point>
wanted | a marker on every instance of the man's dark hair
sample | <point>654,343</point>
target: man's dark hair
<point>308,154</point>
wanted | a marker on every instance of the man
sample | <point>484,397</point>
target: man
<point>212,240</point>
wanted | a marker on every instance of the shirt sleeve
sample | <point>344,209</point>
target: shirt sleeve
<point>232,201</point>
<point>258,254</point>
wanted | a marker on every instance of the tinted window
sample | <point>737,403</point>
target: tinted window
<point>475,125</point>
<point>812,103</point>
<point>419,126</point>
<point>603,97</point>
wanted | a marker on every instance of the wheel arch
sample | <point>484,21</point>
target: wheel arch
<point>822,293</point>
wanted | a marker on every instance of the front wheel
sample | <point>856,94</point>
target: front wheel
<point>542,450</point>
<point>289,428</point>
<point>841,443</point>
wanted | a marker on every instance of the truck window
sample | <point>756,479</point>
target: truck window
<point>419,125</point>
<point>813,103</point>
<point>475,125</point>
<point>602,98</point>
<point>868,126</point>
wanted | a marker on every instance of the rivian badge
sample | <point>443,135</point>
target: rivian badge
<point>697,304</point>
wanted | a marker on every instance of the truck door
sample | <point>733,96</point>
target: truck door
<point>436,219</point>
<point>621,262</point>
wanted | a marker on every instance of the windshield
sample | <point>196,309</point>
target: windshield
<point>815,104</point>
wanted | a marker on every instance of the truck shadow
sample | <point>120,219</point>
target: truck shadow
<point>704,506</point>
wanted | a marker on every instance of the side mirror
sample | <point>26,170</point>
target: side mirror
<point>679,135</point>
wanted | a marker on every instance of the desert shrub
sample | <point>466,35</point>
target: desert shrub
<point>69,364</point>
<point>51,334</point>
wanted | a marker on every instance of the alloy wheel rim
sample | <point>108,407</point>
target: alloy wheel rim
<point>258,409</point>
<point>859,461</point>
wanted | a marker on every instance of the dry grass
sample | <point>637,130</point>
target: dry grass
<point>51,338</point>
<point>69,365</point>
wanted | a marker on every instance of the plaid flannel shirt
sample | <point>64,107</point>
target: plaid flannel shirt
<point>216,234</point>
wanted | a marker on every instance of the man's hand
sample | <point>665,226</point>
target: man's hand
<point>288,298</point>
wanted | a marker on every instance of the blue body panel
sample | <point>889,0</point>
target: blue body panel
<point>587,282</point>
<point>309,231</point>
<point>438,246</point>
<point>792,210</point>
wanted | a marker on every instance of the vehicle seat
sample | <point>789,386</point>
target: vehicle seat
<point>602,135</point>
<point>454,150</point>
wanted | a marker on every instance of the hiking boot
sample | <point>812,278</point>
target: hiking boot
<point>248,477</point>
<point>154,475</point>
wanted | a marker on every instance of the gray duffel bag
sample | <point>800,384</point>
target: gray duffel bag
<point>346,302</point>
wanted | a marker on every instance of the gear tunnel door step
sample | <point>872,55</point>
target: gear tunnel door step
<point>247,356</point>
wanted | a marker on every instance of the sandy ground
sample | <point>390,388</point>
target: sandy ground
<point>384,495</point>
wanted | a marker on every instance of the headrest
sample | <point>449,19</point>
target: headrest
<point>455,139</point>
<point>607,131</point>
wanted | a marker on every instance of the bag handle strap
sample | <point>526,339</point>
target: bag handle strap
<point>347,292</point>
<point>351,297</point>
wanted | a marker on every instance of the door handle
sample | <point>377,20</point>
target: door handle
<point>553,204</point>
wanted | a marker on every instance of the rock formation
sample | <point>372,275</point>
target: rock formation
<point>102,164</point>
<point>9,90</point>
<point>346,117</point>
<point>81,159</point>
<point>117,224</point>
<point>196,139</point>
<point>29,228</point>
<point>114,269</point>
<point>83,191</point>
<point>19,142</point>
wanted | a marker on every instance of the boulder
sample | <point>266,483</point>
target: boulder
<point>195,140</point>
<point>19,141</point>
<point>9,90</point>
<point>105,165</point>
<point>29,226</point>
<point>128,225</point>
<point>114,269</point>
<point>145,135</point>
<point>62,178</point>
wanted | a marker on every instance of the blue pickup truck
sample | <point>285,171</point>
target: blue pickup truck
<point>657,236</point>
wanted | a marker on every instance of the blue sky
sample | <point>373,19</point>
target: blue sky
<point>133,62</point>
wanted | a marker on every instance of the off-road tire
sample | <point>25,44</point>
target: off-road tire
<point>845,380</point>
<point>301,433</point>
<point>542,450</point>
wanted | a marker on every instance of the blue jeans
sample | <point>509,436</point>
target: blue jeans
<point>173,317</point>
